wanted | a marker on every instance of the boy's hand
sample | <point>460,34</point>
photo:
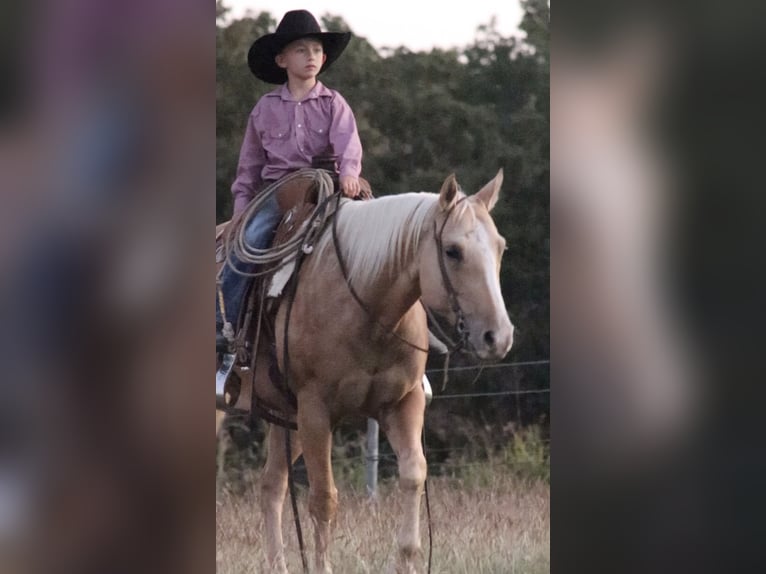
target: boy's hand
<point>349,185</point>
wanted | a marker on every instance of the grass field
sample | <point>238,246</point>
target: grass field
<point>489,517</point>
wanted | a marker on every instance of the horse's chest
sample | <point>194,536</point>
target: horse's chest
<point>370,390</point>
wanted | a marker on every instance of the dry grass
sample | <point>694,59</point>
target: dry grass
<point>499,524</point>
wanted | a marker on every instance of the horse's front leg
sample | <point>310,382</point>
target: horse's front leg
<point>403,426</point>
<point>273,490</point>
<point>315,431</point>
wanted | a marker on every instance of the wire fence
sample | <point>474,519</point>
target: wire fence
<point>457,457</point>
<point>480,368</point>
<point>493,366</point>
<point>390,465</point>
<point>485,394</point>
<point>493,394</point>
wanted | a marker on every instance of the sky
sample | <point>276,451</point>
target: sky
<point>416,25</point>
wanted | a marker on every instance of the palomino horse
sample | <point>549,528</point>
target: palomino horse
<point>357,335</point>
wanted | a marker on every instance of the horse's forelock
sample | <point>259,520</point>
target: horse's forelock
<point>464,214</point>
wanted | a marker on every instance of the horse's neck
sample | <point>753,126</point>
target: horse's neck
<point>380,241</point>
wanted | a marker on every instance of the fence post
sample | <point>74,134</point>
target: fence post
<point>372,458</point>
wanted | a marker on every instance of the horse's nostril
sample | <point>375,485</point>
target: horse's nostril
<point>489,338</point>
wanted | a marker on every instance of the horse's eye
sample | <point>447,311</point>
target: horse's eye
<point>453,252</point>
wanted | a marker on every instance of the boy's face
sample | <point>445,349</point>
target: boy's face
<point>302,59</point>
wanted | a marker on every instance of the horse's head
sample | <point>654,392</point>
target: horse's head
<point>460,268</point>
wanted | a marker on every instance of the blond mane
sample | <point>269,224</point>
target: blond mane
<point>379,237</point>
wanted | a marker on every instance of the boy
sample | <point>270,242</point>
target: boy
<point>286,129</point>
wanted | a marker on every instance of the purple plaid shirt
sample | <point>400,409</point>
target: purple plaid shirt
<point>283,135</point>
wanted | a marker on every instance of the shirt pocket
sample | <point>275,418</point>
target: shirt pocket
<point>318,135</point>
<point>276,135</point>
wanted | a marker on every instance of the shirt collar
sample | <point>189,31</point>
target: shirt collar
<point>320,90</point>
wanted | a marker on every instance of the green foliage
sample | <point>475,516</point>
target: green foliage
<point>422,116</point>
<point>525,456</point>
<point>348,464</point>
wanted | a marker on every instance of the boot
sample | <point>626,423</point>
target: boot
<point>222,344</point>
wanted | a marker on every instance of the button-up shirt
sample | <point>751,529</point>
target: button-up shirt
<point>283,135</point>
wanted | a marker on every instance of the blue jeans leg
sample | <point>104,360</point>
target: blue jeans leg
<point>259,234</point>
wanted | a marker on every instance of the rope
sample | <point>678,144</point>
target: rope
<point>237,245</point>
<point>273,258</point>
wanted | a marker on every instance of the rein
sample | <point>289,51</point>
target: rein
<point>354,294</point>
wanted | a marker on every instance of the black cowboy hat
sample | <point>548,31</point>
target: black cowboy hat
<point>295,25</point>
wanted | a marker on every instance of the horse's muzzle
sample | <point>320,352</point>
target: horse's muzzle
<point>494,344</point>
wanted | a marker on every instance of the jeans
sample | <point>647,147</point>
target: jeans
<point>259,234</point>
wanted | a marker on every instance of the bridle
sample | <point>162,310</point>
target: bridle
<point>462,340</point>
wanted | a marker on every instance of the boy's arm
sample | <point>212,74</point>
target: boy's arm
<point>252,158</point>
<point>346,144</point>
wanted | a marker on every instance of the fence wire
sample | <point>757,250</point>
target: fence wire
<point>387,460</point>
<point>494,366</point>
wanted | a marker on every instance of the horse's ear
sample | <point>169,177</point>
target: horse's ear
<point>489,193</point>
<point>448,192</point>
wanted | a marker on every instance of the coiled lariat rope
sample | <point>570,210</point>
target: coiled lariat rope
<point>273,258</point>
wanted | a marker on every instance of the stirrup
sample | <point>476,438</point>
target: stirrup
<point>226,388</point>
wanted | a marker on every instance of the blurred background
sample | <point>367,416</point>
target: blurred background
<point>654,195</point>
<point>107,125</point>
